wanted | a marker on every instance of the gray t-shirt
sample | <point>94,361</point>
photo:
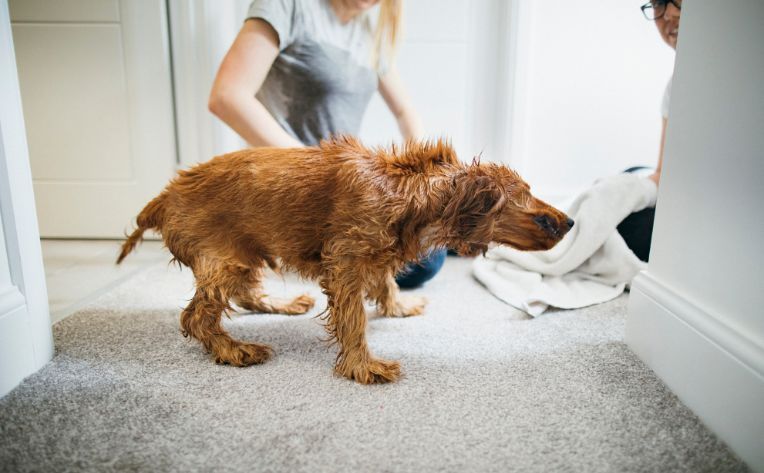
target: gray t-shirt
<point>322,80</point>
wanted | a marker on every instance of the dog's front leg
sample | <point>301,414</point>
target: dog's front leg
<point>391,303</point>
<point>347,324</point>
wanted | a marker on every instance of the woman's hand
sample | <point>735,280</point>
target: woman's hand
<point>240,76</point>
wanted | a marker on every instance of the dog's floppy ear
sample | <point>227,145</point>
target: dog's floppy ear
<point>468,216</point>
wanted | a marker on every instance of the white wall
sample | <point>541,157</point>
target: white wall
<point>715,168</point>
<point>696,314</point>
<point>434,64</point>
<point>453,61</point>
<point>594,76</point>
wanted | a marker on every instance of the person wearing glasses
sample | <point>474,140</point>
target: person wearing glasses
<point>301,71</point>
<point>637,228</point>
<point>665,14</point>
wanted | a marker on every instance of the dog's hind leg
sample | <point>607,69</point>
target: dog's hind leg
<point>201,318</point>
<point>391,303</point>
<point>250,296</point>
<point>346,324</point>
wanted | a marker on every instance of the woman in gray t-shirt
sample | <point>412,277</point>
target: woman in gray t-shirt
<point>302,70</point>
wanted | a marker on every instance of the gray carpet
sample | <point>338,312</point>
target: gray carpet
<point>485,389</point>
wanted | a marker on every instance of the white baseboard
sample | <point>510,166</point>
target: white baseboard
<point>714,369</point>
<point>16,354</point>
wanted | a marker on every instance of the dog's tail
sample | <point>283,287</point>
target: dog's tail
<point>150,217</point>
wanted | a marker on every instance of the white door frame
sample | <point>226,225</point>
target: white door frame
<point>26,341</point>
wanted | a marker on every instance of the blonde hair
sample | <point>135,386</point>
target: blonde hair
<point>388,33</point>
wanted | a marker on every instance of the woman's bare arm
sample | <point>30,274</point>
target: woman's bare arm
<point>656,176</point>
<point>240,76</point>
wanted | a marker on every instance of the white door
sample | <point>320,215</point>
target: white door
<point>95,80</point>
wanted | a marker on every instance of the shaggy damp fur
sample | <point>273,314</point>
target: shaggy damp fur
<point>345,215</point>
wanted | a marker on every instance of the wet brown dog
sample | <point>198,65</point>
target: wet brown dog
<point>343,214</point>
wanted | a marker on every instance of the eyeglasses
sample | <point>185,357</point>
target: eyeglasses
<point>657,8</point>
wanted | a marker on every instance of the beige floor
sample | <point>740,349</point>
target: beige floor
<point>78,271</point>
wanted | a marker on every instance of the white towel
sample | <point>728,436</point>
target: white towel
<point>592,264</point>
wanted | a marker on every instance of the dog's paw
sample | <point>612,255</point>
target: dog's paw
<point>299,305</point>
<point>275,305</point>
<point>406,305</point>
<point>243,354</point>
<point>372,371</point>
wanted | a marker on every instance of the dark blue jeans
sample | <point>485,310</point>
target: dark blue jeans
<point>416,274</point>
<point>637,228</point>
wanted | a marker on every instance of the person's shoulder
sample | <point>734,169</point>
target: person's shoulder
<point>280,14</point>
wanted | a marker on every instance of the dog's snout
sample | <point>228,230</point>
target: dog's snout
<point>570,222</point>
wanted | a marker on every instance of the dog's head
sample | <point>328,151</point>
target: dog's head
<point>491,203</point>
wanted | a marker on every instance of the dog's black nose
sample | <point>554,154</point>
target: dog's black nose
<point>570,222</point>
